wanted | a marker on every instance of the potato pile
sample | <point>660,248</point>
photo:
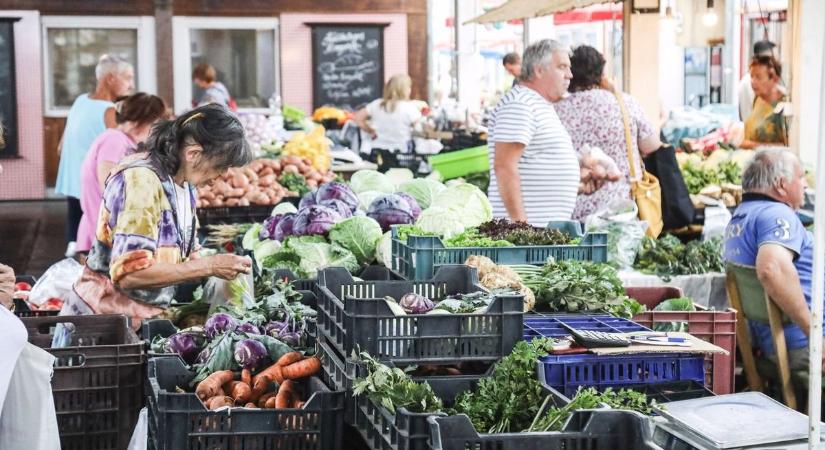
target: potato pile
<point>257,183</point>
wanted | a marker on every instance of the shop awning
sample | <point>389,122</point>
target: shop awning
<point>522,9</point>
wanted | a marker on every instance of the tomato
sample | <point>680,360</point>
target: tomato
<point>22,286</point>
<point>229,247</point>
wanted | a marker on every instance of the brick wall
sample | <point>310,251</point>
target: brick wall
<point>296,50</point>
<point>23,178</point>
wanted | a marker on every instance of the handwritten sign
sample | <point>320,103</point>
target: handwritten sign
<point>348,69</point>
<point>8,97</point>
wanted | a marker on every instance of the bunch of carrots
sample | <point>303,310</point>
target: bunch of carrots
<point>273,387</point>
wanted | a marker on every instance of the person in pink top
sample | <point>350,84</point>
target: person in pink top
<point>135,115</point>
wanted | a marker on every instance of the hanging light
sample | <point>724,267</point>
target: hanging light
<point>710,18</point>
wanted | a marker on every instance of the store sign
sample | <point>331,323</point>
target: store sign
<point>348,64</point>
<point>8,95</point>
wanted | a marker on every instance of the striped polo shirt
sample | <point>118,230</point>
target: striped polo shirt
<point>549,167</point>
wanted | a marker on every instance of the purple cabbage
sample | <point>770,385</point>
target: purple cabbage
<point>284,228</point>
<point>219,323</point>
<point>203,356</point>
<point>390,210</point>
<point>415,304</point>
<point>186,344</point>
<point>315,220</point>
<point>250,353</point>
<point>269,227</point>
<point>338,206</point>
<point>414,208</point>
<point>249,328</point>
<point>337,191</point>
<point>307,200</point>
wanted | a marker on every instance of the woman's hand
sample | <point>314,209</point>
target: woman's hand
<point>227,267</point>
<point>6,285</point>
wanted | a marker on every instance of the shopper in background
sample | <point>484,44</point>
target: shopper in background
<point>390,119</point>
<point>7,282</point>
<point>593,117</point>
<point>766,124</point>
<point>135,116</point>
<point>745,91</point>
<point>91,114</point>
<point>765,232</point>
<point>205,77</point>
<point>535,172</point>
<point>512,64</point>
<point>146,242</point>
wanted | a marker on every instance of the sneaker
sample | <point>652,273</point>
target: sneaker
<point>70,252</point>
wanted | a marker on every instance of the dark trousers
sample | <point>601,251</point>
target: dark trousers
<point>73,218</point>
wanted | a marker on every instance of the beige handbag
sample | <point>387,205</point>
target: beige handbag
<point>647,193</point>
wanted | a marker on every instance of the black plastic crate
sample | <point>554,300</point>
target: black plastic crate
<point>672,391</point>
<point>239,214</point>
<point>603,429</point>
<point>341,373</point>
<point>97,383</point>
<point>183,423</point>
<point>353,315</point>
<point>21,309</point>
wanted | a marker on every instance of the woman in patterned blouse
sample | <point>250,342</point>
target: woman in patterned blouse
<point>593,118</point>
<point>766,124</point>
<point>146,239</point>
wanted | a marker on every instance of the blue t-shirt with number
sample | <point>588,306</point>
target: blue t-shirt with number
<point>761,220</point>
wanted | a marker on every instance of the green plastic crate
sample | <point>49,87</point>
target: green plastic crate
<point>419,257</point>
<point>460,163</point>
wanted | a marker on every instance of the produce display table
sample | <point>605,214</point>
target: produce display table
<point>706,289</point>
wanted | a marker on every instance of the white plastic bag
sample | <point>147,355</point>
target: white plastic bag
<point>28,420</point>
<point>57,282</point>
<point>624,231</point>
<point>717,218</point>
<point>140,437</point>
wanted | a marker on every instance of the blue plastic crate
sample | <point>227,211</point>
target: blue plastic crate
<point>551,325</point>
<point>566,373</point>
<point>420,257</point>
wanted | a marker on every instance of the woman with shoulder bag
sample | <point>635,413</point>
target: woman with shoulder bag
<point>597,115</point>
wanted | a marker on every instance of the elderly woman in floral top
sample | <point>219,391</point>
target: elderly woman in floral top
<point>146,239</point>
<point>593,118</point>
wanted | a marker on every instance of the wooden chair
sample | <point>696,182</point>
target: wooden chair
<point>747,296</point>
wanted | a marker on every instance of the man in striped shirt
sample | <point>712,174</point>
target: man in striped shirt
<point>535,174</point>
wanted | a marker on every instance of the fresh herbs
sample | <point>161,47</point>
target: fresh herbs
<point>522,233</point>
<point>510,398</point>
<point>294,182</point>
<point>392,388</point>
<point>588,398</point>
<point>668,256</point>
<point>574,286</point>
<point>697,177</point>
<point>472,238</point>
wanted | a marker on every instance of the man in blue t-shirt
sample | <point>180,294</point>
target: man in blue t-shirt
<point>766,233</point>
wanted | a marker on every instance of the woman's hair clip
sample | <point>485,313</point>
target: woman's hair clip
<point>191,118</point>
<point>119,107</point>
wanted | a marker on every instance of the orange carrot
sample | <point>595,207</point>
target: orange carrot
<point>246,376</point>
<point>259,387</point>
<point>211,386</point>
<point>272,372</point>
<point>289,358</point>
<point>299,405</point>
<point>250,405</point>
<point>286,392</point>
<point>301,369</point>
<point>221,401</point>
<point>238,390</point>
<point>265,398</point>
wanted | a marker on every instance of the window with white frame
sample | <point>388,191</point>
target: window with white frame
<point>73,44</point>
<point>243,51</point>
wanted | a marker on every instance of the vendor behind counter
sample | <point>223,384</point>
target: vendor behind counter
<point>146,241</point>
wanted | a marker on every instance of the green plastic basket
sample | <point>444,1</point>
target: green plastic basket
<point>460,163</point>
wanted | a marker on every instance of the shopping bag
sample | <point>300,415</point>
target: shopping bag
<point>28,419</point>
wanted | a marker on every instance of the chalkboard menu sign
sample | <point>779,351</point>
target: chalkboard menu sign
<point>348,64</point>
<point>8,97</point>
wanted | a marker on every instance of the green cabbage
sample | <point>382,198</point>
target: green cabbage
<point>284,208</point>
<point>674,304</point>
<point>316,256</point>
<point>422,190</point>
<point>383,251</point>
<point>468,203</point>
<point>371,180</point>
<point>365,198</point>
<point>250,238</point>
<point>264,250</point>
<point>359,235</point>
<point>440,221</point>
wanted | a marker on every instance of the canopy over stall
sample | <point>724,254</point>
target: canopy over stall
<point>524,9</point>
